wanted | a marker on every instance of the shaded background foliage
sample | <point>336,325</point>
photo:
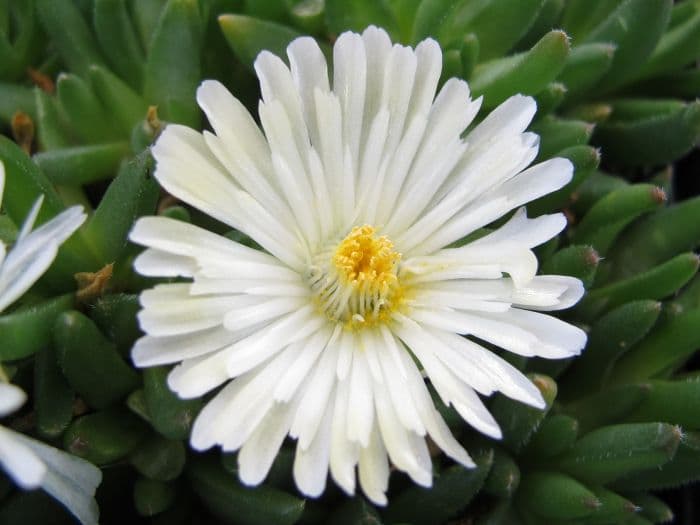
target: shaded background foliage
<point>616,83</point>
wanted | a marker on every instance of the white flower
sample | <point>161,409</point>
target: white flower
<point>30,463</point>
<point>355,193</point>
<point>33,251</point>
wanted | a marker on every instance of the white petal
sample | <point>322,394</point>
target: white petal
<point>435,425</point>
<point>11,398</point>
<point>311,463</point>
<point>308,351</point>
<point>310,72</point>
<point>350,84</point>
<point>451,389</point>
<point>319,394</point>
<point>288,329</point>
<point>408,451</point>
<point>33,254</point>
<point>467,360</point>
<point>157,263</point>
<point>153,351</point>
<point>531,232</point>
<point>69,479</point>
<point>510,117</point>
<point>344,453</point>
<point>19,461</point>
<point>374,469</point>
<point>257,454</point>
<point>360,406</point>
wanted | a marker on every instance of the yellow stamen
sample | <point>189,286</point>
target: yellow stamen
<point>357,283</point>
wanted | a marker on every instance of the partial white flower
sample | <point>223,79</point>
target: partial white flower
<point>356,191</point>
<point>31,463</point>
<point>33,251</point>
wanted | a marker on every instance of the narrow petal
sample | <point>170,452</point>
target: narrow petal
<point>374,469</point>
<point>311,463</point>
<point>258,452</point>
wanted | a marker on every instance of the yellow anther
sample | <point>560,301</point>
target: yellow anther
<point>356,280</point>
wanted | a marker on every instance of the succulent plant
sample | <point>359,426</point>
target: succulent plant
<point>86,86</point>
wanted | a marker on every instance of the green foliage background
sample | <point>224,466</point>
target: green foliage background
<point>616,82</point>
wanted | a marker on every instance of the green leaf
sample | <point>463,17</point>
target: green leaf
<point>503,479</point>
<point>159,458</point>
<point>652,138</point>
<point>80,165</point>
<point>169,415</point>
<point>615,451</point>
<point>682,469</point>
<point>550,98</point>
<point>613,508</point>
<point>14,98</point>
<point>104,437</point>
<point>357,15</point>
<point>526,73</point>
<point>582,16</point>
<point>28,330</point>
<point>657,283</point>
<point>610,337</point>
<point>404,12</point>
<point>84,111</point>
<point>498,24</point>
<point>655,239</point>
<point>53,397</point>
<point>594,188</point>
<point>451,492</point>
<point>680,84</point>
<point>678,47</point>
<point>556,496</point>
<point>469,54</point>
<point>585,66</point>
<point>652,508</point>
<point>134,192</point>
<point>114,93</point>
<point>356,511</point>
<point>69,34</point>
<point>248,36</point>
<point>51,129</point>
<point>119,41</point>
<point>308,15</point>
<point>556,435</point>
<point>146,14</point>
<point>547,18</point>
<point>577,261</point>
<point>557,134</point>
<point>172,71</point>
<point>665,348</point>
<point>606,219</point>
<point>674,402</point>
<point>608,406</point>
<point>115,315</point>
<point>635,27</point>
<point>519,422</point>
<point>90,363</point>
<point>152,497</point>
<point>229,500</point>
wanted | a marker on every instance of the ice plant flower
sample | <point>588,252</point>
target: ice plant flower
<point>31,463</point>
<point>33,251</point>
<point>359,191</point>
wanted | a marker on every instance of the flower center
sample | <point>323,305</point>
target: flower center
<point>355,282</point>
